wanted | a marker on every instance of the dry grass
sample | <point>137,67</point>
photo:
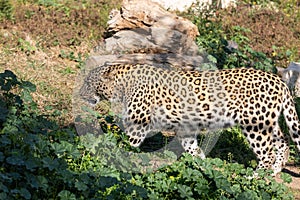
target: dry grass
<point>276,32</point>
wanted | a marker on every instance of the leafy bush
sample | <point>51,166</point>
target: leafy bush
<point>38,159</point>
<point>230,145</point>
<point>193,178</point>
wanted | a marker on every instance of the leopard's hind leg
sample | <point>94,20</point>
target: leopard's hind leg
<point>261,142</point>
<point>281,148</point>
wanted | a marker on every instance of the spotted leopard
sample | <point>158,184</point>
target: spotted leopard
<point>158,99</point>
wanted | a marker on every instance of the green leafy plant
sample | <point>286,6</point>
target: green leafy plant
<point>6,10</point>
<point>26,47</point>
<point>36,154</point>
<point>230,47</point>
<point>71,56</point>
<point>193,178</point>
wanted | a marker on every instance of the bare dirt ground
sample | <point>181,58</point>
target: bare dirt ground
<point>294,171</point>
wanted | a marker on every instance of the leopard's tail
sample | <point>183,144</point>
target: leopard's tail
<point>291,117</point>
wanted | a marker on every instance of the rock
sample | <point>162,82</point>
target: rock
<point>148,34</point>
<point>291,76</point>
<point>146,13</point>
<point>232,45</point>
<point>149,40</point>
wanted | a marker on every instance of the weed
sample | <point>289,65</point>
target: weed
<point>67,70</point>
<point>72,57</point>
<point>193,178</point>
<point>6,10</point>
<point>26,47</point>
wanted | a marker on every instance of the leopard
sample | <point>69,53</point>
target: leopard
<point>187,102</point>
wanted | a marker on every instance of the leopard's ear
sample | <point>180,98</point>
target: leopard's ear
<point>109,72</point>
<point>112,71</point>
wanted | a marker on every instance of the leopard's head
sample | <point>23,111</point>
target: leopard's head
<point>97,86</point>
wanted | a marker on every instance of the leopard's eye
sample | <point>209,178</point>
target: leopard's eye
<point>92,101</point>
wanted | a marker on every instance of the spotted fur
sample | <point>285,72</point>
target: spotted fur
<point>157,99</point>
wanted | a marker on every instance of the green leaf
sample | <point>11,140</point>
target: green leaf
<point>30,87</point>
<point>264,195</point>
<point>185,191</point>
<point>22,192</point>
<point>26,96</point>
<point>202,187</point>
<point>236,188</point>
<point>287,178</point>
<point>15,160</point>
<point>3,195</point>
<point>42,182</point>
<point>32,163</point>
<point>59,149</point>
<point>81,186</point>
<point>50,163</point>
<point>222,182</point>
<point>249,195</point>
<point>37,182</point>
<point>66,195</point>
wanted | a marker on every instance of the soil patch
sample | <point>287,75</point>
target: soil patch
<point>294,171</point>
